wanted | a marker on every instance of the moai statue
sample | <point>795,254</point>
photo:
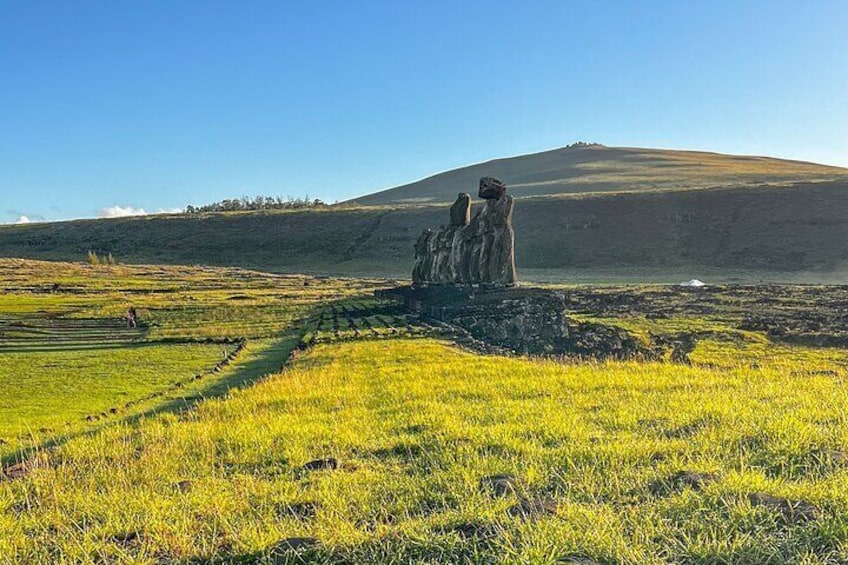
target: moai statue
<point>460,212</point>
<point>470,251</point>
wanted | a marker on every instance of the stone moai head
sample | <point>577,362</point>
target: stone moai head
<point>491,188</point>
<point>460,212</point>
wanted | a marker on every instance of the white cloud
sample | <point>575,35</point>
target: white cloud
<point>121,212</point>
<point>23,220</point>
<point>125,211</point>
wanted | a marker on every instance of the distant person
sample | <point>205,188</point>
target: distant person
<point>132,317</point>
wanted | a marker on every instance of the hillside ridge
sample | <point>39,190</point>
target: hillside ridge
<point>794,233</point>
<point>586,213</point>
<point>599,168</point>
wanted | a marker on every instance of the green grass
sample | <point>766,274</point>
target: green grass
<point>415,425</point>
<point>211,470</point>
<point>68,363</point>
<point>57,389</point>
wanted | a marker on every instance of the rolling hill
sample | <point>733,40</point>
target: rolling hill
<point>583,168</point>
<point>583,214</point>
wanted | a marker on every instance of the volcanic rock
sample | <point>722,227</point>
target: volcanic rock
<point>460,212</point>
<point>792,511</point>
<point>319,464</point>
<point>532,508</point>
<point>491,188</point>
<point>469,252</point>
<point>501,484</point>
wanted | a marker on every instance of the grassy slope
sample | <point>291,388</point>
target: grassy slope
<point>571,170</point>
<point>53,384</point>
<point>46,389</point>
<point>416,425</point>
<point>595,212</point>
<point>773,232</point>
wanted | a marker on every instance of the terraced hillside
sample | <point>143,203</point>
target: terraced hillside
<point>69,363</point>
<point>47,334</point>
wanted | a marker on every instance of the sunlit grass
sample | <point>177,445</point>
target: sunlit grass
<point>68,363</point>
<point>57,389</point>
<point>414,426</point>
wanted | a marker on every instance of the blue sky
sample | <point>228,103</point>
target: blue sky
<point>157,104</point>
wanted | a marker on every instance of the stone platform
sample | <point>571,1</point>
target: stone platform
<point>524,320</point>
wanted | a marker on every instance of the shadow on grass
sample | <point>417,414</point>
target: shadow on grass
<point>268,360</point>
<point>72,347</point>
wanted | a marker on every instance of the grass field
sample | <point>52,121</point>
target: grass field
<point>68,363</point>
<point>594,452</point>
<point>383,442</point>
<point>48,390</point>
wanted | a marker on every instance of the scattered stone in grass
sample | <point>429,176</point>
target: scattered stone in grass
<point>577,560</point>
<point>402,450</point>
<point>687,430</point>
<point>792,511</point>
<point>126,538</point>
<point>304,510</point>
<point>474,530</point>
<point>462,441</point>
<point>3,441</point>
<point>295,544</point>
<point>184,486</point>
<point>838,457</point>
<point>501,484</point>
<point>320,464</point>
<point>113,410</point>
<point>15,471</point>
<point>682,479</point>
<point>45,430</point>
<point>533,508</point>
